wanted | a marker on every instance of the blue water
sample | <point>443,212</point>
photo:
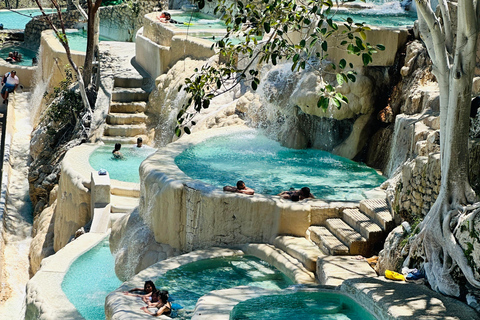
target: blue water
<point>301,305</point>
<point>269,168</point>
<point>78,40</point>
<point>18,18</point>
<point>389,14</point>
<point>26,54</point>
<point>197,20</point>
<point>189,282</point>
<point>125,169</point>
<point>90,279</point>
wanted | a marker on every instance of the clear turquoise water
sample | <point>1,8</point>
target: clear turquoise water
<point>189,282</point>
<point>89,280</point>
<point>301,305</point>
<point>78,40</point>
<point>197,20</point>
<point>269,168</point>
<point>17,19</point>
<point>26,53</point>
<point>388,14</point>
<point>125,169</point>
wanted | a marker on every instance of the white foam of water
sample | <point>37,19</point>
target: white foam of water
<point>18,216</point>
<point>39,88</point>
<point>384,9</point>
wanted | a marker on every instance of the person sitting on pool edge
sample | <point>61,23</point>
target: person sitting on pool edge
<point>147,293</point>
<point>116,152</point>
<point>240,188</point>
<point>296,195</point>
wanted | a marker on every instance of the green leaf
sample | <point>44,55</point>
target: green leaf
<point>266,26</point>
<point>342,64</point>
<point>339,79</point>
<point>178,131</point>
<point>254,85</point>
<point>187,130</point>
<point>324,45</point>
<point>380,47</point>
<point>363,35</point>
<point>206,104</point>
<point>302,43</point>
<point>296,57</point>
<point>336,102</point>
<point>322,103</point>
<point>366,58</point>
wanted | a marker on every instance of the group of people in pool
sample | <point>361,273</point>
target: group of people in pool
<point>292,194</point>
<point>156,300</point>
<point>116,150</point>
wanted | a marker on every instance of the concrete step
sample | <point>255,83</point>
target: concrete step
<point>120,94</point>
<point>378,211</point>
<point>326,241</point>
<point>363,224</point>
<point>351,238</point>
<point>123,140</point>
<point>126,118</point>
<point>129,82</point>
<point>301,249</point>
<point>123,204</point>
<point>125,130</point>
<point>128,107</point>
<point>125,189</point>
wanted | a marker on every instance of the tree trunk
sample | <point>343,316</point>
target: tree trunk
<point>435,242</point>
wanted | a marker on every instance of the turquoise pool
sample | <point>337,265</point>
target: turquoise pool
<point>26,53</point>
<point>77,40</point>
<point>18,18</point>
<point>301,305</point>
<point>269,168</point>
<point>197,20</point>
<point>389,14</point>
<point>189,282</point>
<point>125,169</point>
<point>90,279</point>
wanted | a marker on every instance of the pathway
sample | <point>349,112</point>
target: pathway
<point>17,219</point>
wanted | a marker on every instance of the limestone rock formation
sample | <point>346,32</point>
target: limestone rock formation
<point>134,246</point>
<point>42,234</point>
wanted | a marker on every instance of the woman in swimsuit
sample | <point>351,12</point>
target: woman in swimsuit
<point>163,306</point>
<point>147,292</point>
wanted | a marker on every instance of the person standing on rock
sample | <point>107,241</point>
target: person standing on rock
<point>10,83</point>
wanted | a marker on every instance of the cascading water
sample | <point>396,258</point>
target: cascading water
<point>17,218</point>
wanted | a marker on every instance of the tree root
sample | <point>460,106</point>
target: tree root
<point>440,251</point>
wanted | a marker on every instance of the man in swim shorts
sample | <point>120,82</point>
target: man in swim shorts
<point>10,83</point>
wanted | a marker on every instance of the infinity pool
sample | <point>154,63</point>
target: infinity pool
<point>125,169</point>
<point>301,305</point>
<point>18,18</point>
<point>189,282</point>
<point>78,40</point>
<point>269,168</point>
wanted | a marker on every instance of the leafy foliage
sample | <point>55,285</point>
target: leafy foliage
<point>276,21</point>
<point>111,2</point>
<point>66,103</point>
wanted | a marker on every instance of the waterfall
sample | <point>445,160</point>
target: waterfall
<point>17,218</point>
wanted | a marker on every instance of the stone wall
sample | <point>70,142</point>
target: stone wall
<point>34,28</point>
<point>122,22</point>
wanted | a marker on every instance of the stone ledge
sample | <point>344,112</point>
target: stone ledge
<point>388,299</point>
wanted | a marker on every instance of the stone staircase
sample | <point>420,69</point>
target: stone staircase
<point>359,231</point>
<point>125,122</point>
